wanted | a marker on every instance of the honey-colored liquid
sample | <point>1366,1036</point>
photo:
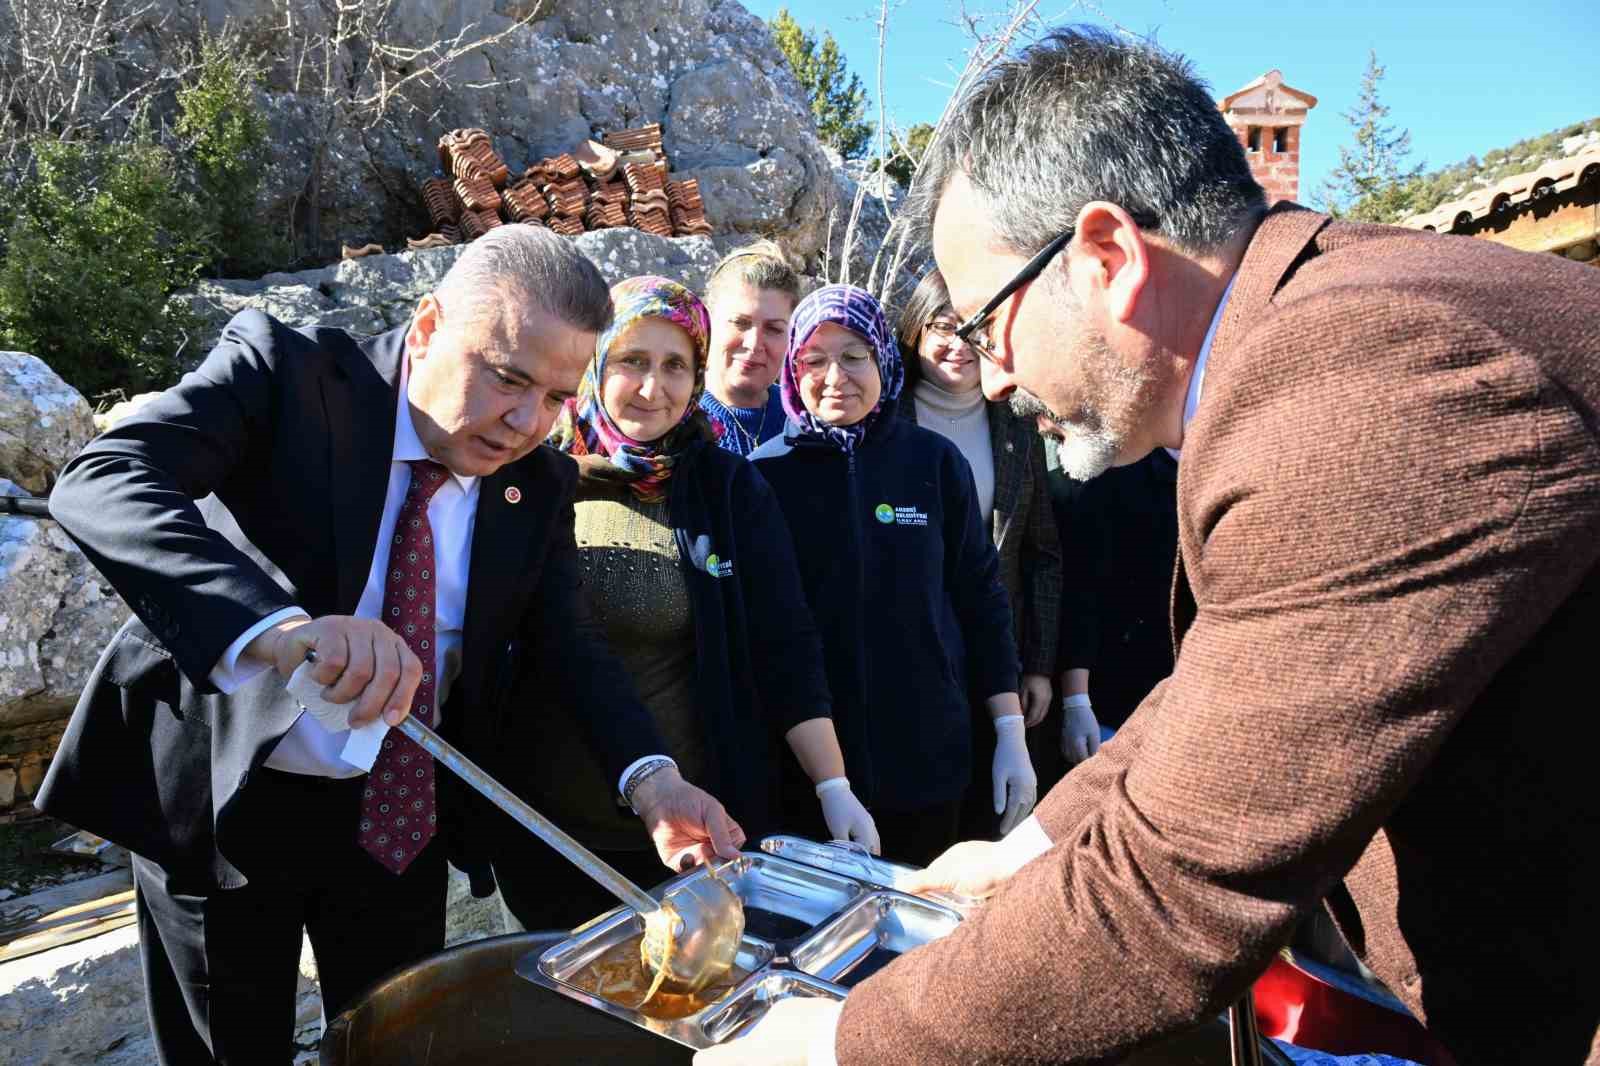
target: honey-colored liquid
<point>620,976</point>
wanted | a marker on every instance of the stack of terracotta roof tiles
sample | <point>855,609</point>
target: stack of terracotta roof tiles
<point>621,180</point>
<point>688,212</point>
<point>478,174</point>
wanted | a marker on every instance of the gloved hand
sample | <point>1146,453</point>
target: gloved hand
<point>1080,731</point>
<point>847,819</point>
<point>1015,785</point>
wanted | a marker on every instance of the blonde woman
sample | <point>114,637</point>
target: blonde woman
<point>750,295</point>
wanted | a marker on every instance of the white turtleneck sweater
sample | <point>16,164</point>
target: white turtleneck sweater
<point>964,418</point>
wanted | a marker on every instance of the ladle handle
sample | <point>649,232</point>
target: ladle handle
<point>537,824</point>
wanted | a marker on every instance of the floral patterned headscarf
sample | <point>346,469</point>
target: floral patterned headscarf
<point>858,311</point>
<point>585,427</point>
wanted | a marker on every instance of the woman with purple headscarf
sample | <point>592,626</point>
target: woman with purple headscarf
<point>902,577</point>
<point>690,571</point>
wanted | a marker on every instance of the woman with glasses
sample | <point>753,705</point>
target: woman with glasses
<point>902,577</point>
<point>689,568</point>
<point>750,294</point>
<point>1007,458</point>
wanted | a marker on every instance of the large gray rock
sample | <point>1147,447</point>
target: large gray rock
<point>43,422</point>
<point>379,292</point>
<point>707,70</point>
<point>56,614</point>
<point>864,251</point>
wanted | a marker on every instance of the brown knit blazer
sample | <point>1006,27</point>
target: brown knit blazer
<point>1386,616</point>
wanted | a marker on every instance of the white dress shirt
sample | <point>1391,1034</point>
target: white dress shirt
<point>308,748</point>
<point>1197,380</point>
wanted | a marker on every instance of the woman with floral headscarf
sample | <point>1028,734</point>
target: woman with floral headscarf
<point>689,568</point>
<point>901,576</point>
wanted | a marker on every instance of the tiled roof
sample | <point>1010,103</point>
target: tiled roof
<point>1270,84</point>
<point>1557,176</point>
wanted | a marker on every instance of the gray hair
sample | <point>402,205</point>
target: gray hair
<point>1083,115</point>
<point>532,264</point>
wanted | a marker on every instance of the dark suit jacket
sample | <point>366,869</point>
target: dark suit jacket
<point>1389,527</point>
<point>257,483</point>
<point>1025,535</point>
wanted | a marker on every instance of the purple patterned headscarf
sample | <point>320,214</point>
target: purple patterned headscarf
<point>858,311</point>
<point>585,427</point>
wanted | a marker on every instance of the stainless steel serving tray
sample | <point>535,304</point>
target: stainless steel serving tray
<point>798,918</point>
<point>852,860</point>
<point>869,935</point>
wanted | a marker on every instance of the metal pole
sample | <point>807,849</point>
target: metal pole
<point>27,506</point>
<point>526,816</point>
<point>1245,1032</point>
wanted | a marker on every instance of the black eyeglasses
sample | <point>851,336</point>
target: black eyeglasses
<point>1030,270</point>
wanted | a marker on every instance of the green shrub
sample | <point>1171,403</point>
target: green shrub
<point>226,141</point>
<point>98,238</point>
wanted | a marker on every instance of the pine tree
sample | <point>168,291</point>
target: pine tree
<point>905,156</point>
<point>1372,182</point>
<point>838,99</point>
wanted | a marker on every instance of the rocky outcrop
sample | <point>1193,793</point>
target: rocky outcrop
<point>707,70</point>
<point>56,614</point>
<point>43,422</point>
<point>856,251</point>
<point>379,292</point>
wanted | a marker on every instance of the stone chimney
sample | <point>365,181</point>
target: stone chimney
<point>1267,116</point>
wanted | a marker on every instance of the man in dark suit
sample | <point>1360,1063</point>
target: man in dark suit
<point>383,502</point>
<point>1384,612</point>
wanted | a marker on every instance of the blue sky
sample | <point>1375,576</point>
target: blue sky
<point>1464,77</point>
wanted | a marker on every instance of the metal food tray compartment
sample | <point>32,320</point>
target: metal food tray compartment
<point>838,926</point>
<point>871,934</point>
<point>852,860</point>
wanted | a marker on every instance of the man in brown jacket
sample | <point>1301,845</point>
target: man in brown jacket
<point>1385,610</point>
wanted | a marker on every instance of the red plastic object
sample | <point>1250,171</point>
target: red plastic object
<point>1293,1005</point>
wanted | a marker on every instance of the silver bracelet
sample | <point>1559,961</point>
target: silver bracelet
<point>639,777</point>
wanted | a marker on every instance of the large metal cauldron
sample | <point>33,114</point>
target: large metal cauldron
<point>465,1007</point>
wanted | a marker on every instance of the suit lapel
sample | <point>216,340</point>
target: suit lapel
<point>512,512</point>
<point>1278,242</point>
<point>359,398</point>
<point>1003,445</point>
<point>1275,249</point>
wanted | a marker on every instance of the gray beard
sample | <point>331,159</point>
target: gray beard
<point>1085,452</point>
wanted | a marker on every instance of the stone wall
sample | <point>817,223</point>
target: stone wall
<point>379,292</point>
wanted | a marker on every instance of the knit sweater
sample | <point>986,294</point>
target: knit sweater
<point>741,430</point>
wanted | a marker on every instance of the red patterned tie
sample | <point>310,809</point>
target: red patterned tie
<point>397,806</point>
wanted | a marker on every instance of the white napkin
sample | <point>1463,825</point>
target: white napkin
<point>362,747</point>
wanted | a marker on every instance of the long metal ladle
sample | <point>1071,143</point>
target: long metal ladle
<point>693,934</point>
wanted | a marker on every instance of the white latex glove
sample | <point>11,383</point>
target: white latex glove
<point>847,819</point>
<point>1015,785</point>
<point>1080,732</point>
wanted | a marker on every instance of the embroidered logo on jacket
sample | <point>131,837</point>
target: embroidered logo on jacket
<point>703,558</point>
<point>899,516</point>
